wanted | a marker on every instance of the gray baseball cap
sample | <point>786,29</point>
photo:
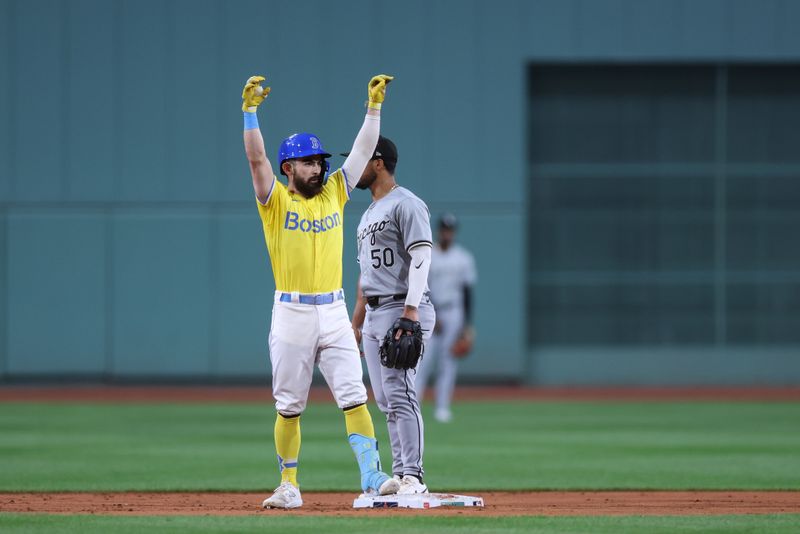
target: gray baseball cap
<point>448,220</point>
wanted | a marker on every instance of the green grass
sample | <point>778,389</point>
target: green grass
<point>510,445</point>
<point>85,524</point>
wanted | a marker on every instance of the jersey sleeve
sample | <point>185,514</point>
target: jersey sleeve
<point>271,211</point>
<point>337,184</point>
<point>414,221</point>
<point>470,271</point>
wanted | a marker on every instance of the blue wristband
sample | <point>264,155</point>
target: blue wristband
<point>250,121</point>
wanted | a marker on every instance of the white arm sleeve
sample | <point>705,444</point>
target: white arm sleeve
<point>362,151</point>
<point>418,274</point>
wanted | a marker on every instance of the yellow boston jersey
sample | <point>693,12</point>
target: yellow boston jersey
<point>304,236</point>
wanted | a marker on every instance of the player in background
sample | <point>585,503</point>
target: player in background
<point>394,254</point>
<point>302,223</point>
<point>451,279</point>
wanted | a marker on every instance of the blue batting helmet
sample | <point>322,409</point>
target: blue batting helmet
<point>301,145</point>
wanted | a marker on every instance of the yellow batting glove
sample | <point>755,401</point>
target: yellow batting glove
<point>253,94</point>
<point>377,90</point>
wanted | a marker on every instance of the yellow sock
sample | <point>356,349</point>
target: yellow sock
<point>287,445</point>
<point>358,421</point>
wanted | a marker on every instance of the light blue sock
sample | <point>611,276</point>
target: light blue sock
<point>369,461</point>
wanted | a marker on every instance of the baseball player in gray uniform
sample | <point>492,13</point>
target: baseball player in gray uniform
<point>451,278</point>
<point>394,254</point>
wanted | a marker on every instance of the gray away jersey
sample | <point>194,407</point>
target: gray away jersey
<point>388,229</point>
<point>451,270</point>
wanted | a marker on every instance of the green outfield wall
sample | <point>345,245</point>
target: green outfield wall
<point>130,245</point>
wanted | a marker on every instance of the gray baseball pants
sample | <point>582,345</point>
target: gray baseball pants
<point>394,389</point>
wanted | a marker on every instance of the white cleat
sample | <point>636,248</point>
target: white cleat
<point>443,415</point>
<point>390,486</point>
<point>286,496</point>
<point>411,486</point>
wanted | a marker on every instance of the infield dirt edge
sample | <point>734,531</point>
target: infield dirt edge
<point>536,503</point>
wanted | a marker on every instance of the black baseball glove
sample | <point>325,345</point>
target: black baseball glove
<point>403,353</point>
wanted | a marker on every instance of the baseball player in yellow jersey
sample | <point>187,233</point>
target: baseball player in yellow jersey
<point>303,229</point>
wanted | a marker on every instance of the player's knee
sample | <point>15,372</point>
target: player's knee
<point>349,404</point>
<point>348,395</point>
<point>290,408</point>
<point>403,402</point>
<point>353,406</point>
<point>383,405</point>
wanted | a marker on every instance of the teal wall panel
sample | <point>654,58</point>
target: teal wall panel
<point>497,241</point>
<point>657,367</point>
<point>56,288</point>
<point>496,163</point>
<point>346,81</point>
<point>787,38</point>
<point>299,72</point>
<point>136,142</point>
<point>246,288</point>
<point>599,23</point>
<point>4,310</point>
<point>92,101</point>
<point>37,85</point>
<point>703,28</point>
<point>7,126</point>
<point>747,24</point>
<point>652,26</point>
<point>410,97</point>
<point>547,28</point>
<point>195,65</point>
<point>161,293</point>
<point>146,91</point>
<point>255,23</point>
<point>453,45</point>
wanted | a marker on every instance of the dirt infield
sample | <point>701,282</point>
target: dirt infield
<point>547,503</point>
<point>321,394</point>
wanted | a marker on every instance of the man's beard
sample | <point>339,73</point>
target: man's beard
<point>366,181</point>
<point>309,188</point>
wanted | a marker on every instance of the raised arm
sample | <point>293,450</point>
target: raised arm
<point>260,167</point>
<point>367,138</point>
